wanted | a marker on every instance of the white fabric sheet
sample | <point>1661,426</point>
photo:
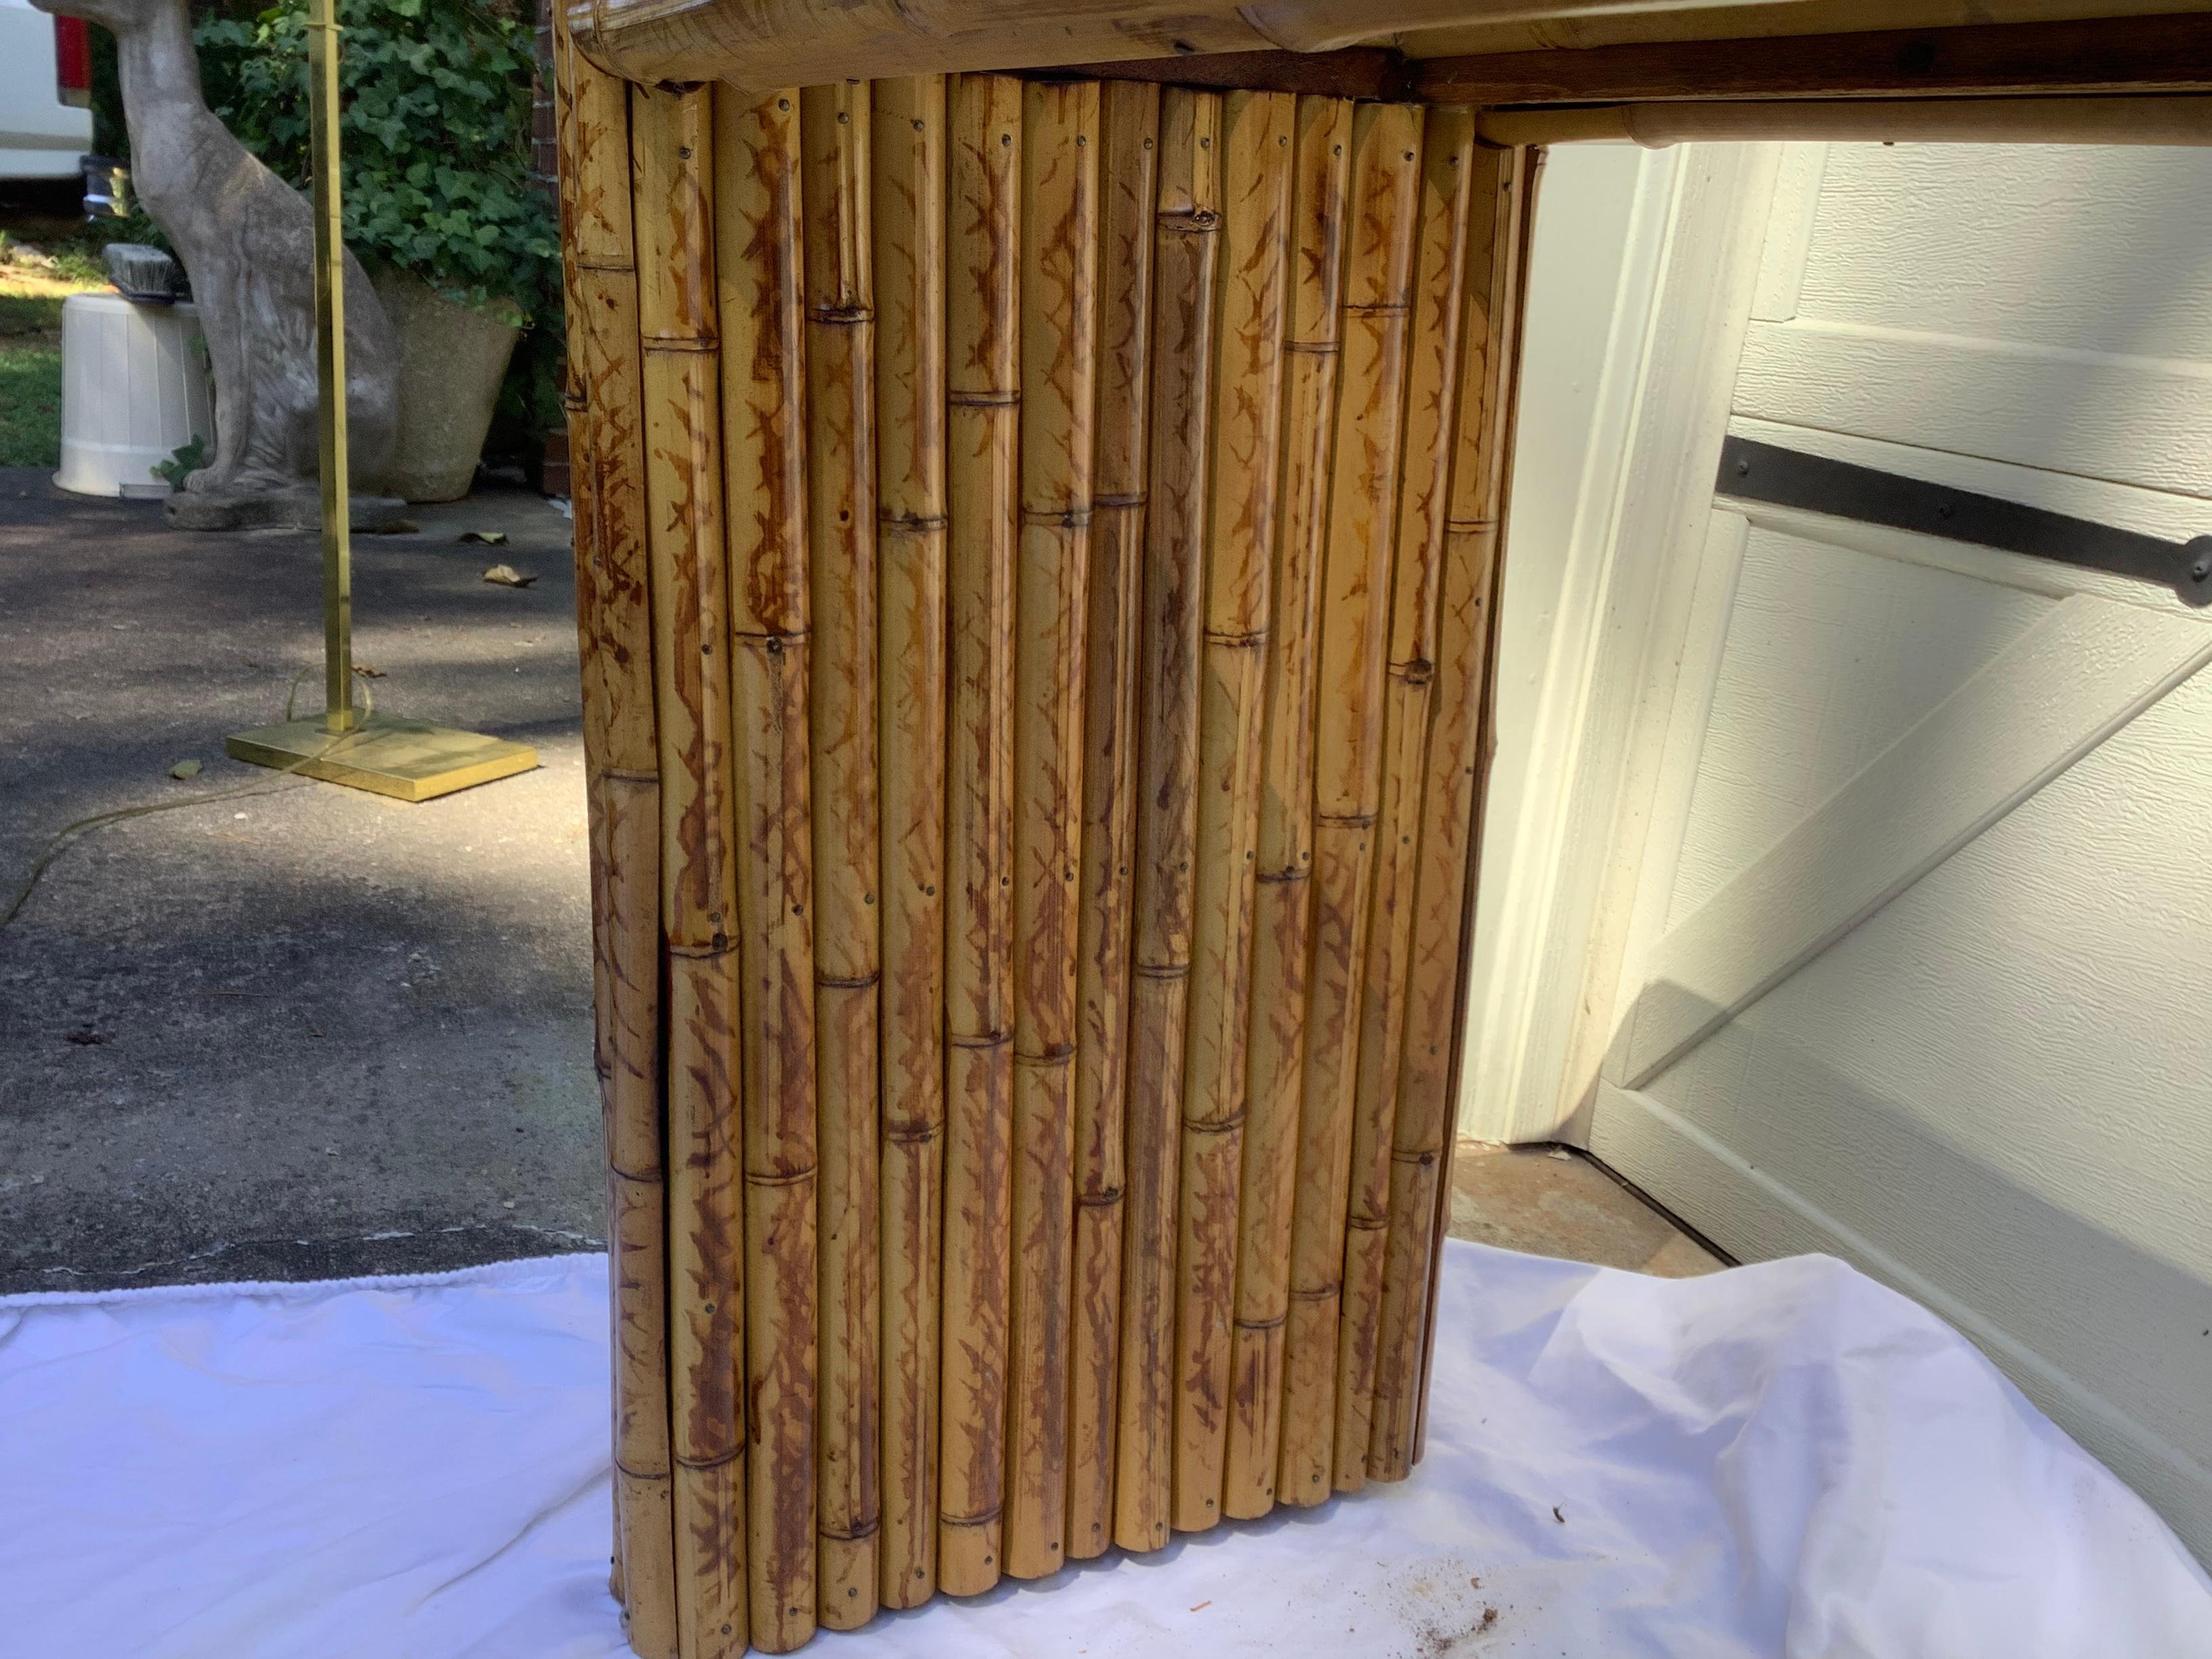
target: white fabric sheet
<point>1778,1460</point>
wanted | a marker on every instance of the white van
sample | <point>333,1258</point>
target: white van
<point>45,93</point>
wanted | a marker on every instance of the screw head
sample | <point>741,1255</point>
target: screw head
<point>2199,553</point>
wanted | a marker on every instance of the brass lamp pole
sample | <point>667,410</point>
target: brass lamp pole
<point>330,369</point>
<point>383,753</point>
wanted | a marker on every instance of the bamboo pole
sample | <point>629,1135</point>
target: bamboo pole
<point>1059,320</point>
<point>589,610</point>
<point>1355,578</point>
<point>758,205</point>
<point>833,133</point>
<point>1129,119</point>
<point>615,623</point>
<point>1429,1085</point>
<point>622,789</point>
<point>575,412</point>
<point>1462,655</point>
<point>983,329</point>
<point>672,181</point>
<point>908,210</point>
<point>1432,353</point>
<point>1249,298</point>
<point>638,1220</point>
<point>1188,223</point>
<point>706,1278</point>
<point>1282,908</point>
<point>595,844</point>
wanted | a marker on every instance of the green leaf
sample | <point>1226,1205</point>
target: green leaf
<point>436,133</point>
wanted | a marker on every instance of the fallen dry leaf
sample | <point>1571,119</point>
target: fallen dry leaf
<point>184,768</point>
<point>507,576</point>
<point>485,538</point>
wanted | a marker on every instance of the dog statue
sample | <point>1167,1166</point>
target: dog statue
<point>247,239</point>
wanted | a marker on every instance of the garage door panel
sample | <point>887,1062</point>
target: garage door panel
<point>1832,652</point>
<point>1867,1161</point>
<point>2086,248</point>
<point>2127,420</point>
<point>1975,1077</point>
<point>2064,686</point>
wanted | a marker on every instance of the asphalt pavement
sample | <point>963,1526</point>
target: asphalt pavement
<point>301,1030</point>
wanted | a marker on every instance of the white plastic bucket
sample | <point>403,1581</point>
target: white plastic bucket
<point>134,392</point>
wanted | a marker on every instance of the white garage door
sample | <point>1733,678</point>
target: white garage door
<point>1921,967</point>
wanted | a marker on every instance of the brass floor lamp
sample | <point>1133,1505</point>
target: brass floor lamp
<point>382,753</point>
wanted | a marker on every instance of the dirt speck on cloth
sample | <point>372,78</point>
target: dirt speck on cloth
<point>1437,1601</point>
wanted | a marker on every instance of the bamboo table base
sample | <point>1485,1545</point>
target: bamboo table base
<point>1036,546</point>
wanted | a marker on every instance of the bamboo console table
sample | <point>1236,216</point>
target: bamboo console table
<point>1037,538</point>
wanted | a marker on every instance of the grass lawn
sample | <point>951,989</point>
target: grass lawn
<point>30,378</point>
<point>35,277</point>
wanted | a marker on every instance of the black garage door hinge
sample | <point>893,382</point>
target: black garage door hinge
<point>1788,477</point>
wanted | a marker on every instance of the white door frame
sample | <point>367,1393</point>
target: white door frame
<point>1562,870</point>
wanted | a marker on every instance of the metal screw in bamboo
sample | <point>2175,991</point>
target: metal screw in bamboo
<point>1431,352</point>
<point>1059,231</point>
<point>835,130</point>
<point>762,309</point>
<point>1129,119</point>
<point>1187,223</point>
<point>615,636</point>
<point>1451,830</point>
<point>1282,908</point>
<point>1250,296</point>
<point>982,340</point>
<point>1355,577</point>
<point>908,210</point>
<point>672,181</point>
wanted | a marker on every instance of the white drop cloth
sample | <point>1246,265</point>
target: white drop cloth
<point>1779,1460</point>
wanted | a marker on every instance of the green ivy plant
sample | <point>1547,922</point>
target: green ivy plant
<point>436,136</point>
<point>181,465</point>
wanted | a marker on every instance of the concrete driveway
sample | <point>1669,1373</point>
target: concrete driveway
<point>303,1031</point>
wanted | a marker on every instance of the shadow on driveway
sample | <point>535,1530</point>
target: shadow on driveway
<point>307,1031</point>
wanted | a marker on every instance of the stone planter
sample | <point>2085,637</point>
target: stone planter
<point>452,359</point>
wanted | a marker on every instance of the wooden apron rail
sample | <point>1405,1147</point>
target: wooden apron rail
<point>2180,119</point>
<point>757,45</point>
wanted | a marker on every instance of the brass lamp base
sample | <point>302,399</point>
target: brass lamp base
<point>401,758</point>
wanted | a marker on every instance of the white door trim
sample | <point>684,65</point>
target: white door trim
<point>1615,647</point>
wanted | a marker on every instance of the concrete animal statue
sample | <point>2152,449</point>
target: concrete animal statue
<point>247,240</point>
